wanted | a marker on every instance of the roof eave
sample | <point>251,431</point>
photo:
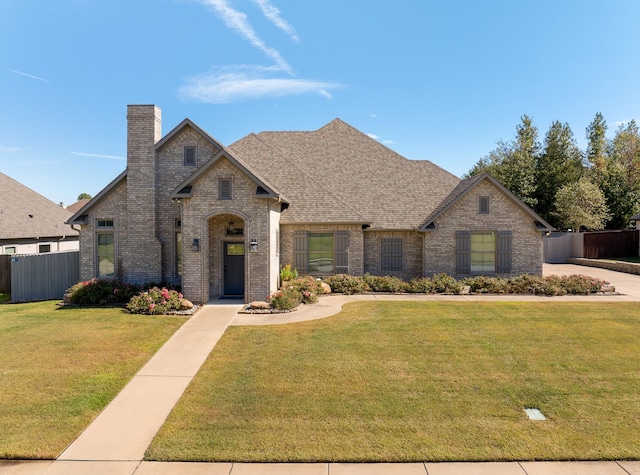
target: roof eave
<point>76,218</point>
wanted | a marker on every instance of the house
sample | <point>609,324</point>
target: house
<point>32,224</point>
<point>221,220</point>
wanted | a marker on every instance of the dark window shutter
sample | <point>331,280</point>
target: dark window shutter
<point>224,193</point>
<point>463,252</point>
<point>189,156</point>
<point>504,252</point>
<point>300,251</point>
<point>341,252</point>
<point>391,254</point>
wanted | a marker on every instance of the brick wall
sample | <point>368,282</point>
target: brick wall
<point>440,244</point>
<point>356,242</point>
<point>412,245</point>
<point>113,206</point>
<point>205,217</point>
<point>141,251</point>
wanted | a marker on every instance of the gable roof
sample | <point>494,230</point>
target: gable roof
<point>27,214</point>
<point>79,217</point>
<point>340,174</point>
<point>465,186</point>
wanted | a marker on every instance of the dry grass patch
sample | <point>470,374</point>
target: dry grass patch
<point>61,367</point>
<point>392,381</point>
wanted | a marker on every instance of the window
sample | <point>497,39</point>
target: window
<point>44,248</point>
<point>104,223</point>
<point>10,249</point>
<point>235,249</point>
<point>224,189</point>
<point>189,157</point>
<point>483,205</point>
<point>483,252</point>
<point>179,253</point>
<point>391,254</point>
<point>106,255</point>
<point>321,253</point>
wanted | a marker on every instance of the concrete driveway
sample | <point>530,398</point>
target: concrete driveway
<point>626,284</point>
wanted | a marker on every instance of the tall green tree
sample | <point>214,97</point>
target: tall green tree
<point>559,164</point>
<point>581,204</point>
<point>514,163</point>
<point>597,144</point>
<point>622,179</point>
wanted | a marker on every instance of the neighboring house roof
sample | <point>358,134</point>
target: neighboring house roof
<point>27,214</point>
<point>465,186</point>
<point>78,205</point>
<point>339,174</point>
<point>79,217</point>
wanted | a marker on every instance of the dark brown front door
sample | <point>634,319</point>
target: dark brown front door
<point>233,268</point>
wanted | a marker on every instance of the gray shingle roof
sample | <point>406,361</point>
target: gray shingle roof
<point>339,174</point>
<point>27,214</point>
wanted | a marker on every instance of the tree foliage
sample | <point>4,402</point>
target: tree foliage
<point>84,196</point>
<point>581,204</point>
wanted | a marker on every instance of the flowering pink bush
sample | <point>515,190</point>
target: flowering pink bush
<point>155,301</point>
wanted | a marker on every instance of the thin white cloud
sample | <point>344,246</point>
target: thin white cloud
<point>98,155</point>
<point>373,136</point>
<point>623,122</point>
<point>273,14</point>
<point>389,142</point>
<point>373,115</point>
<point>28,75</point>
<point>4,149</point>
<point>238,21</point>
<point>225,85</point>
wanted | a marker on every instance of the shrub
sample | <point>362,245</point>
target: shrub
<point>285,299</point>
<point>423,285</point>
<point>445,284</point>
<point>102,292</point>
<point>155,301</point>
<point>287,274</point>
<point>581,284</point>
<point>307,287</point>
<point>491,285</point>
<point>347,284</point>
<point>385,284</point>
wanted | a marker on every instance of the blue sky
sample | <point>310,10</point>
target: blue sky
<point>437,80</point>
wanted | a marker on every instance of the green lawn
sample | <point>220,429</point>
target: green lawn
<point>60,367</point>
<point>392,381</point>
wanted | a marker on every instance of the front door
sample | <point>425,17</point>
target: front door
<point>234,268</point>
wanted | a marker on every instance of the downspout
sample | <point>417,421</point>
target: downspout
<point>59,241</point>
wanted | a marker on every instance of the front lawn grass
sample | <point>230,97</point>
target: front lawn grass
<point>416,381</point>
<point>60,367</point>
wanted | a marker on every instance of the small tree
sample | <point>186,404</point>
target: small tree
<point>581,204</point>
<point>84,196</point>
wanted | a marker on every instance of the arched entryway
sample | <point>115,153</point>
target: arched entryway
<point>227,256</point>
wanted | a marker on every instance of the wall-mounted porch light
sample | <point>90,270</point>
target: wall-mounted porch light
<point>253,245</point>
<point>195,245</point>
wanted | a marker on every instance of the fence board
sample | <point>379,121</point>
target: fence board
<point>611,244</point>
<point>5,274</point>
<point>43,276</point>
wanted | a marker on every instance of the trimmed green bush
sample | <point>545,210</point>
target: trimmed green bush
<point>102,292</point>
<point>385,283</point>
<point>347,284</point>
<point>155,301</point>
<point>287,298</point>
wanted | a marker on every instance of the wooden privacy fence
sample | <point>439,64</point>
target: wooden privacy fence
<point>43,276</point>
<point>5,274</point>
<point>611,244</point>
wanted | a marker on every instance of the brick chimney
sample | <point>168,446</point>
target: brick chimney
<point>141,259</point>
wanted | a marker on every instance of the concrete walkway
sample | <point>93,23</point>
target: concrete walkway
<point>114,444</point>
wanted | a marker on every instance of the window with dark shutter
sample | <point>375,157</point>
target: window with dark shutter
<point>342,252</point>
<point>483,205</point>
<point>463,252</point>
<point>300,251</point>
<point>504,252</point>
<point>391,254</point>
<point>189,156</point>
<point>224,189</point>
